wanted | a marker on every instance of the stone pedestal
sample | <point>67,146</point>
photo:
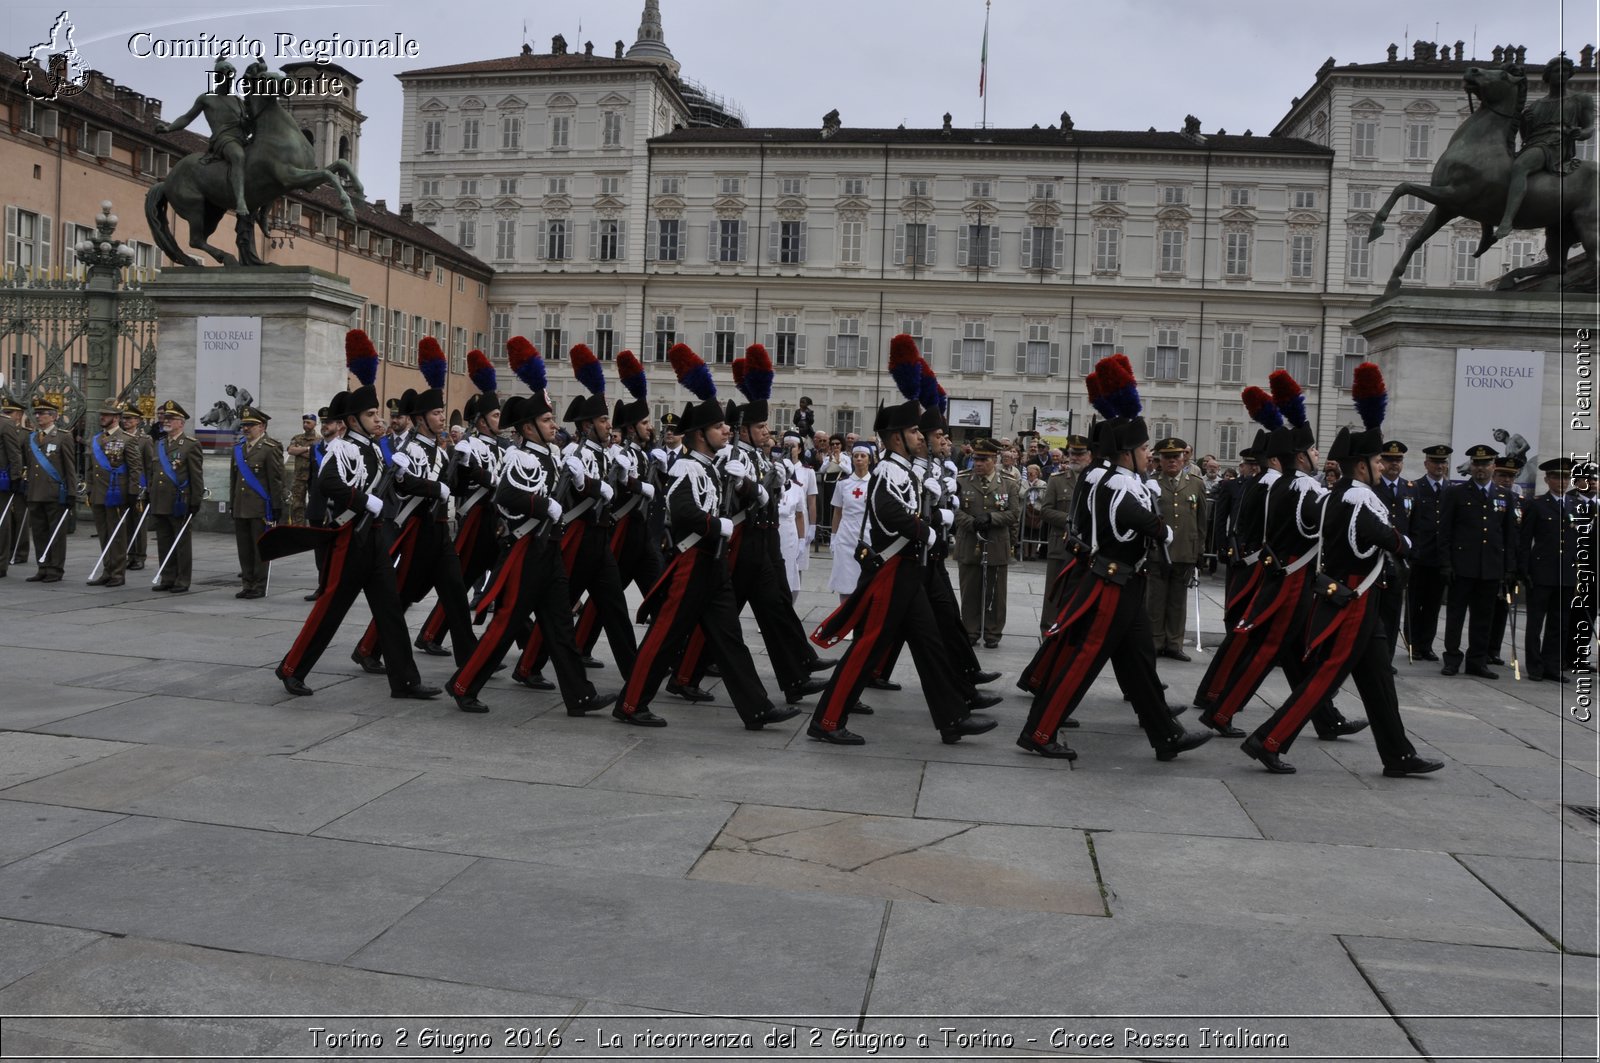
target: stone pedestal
<point>304,314</point>
<point>1413,337</point>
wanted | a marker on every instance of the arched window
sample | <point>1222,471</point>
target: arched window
<point>344,148</point>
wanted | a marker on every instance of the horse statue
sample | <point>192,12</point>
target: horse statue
<point>1471,177</point>
<point>278,159</point>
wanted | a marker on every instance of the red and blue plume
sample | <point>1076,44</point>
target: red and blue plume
<point>361,357</point>
<point>1286,393</point>
<point>631,372</point>
<point>1118,388</point>
<point>740,368</point>
<point>526,363</point>
<point>1370,393</point>
<point>586,367</point>
<point>758,373</point>
<point>930,394</point>
<point>692,372</point>
<point>906,366</point>
<point>1091,384</point>
<point>1263,411</point>
<point>482,373</point>
<point>431,360</point>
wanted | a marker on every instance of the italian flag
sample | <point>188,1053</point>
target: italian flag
<point>983,60</point>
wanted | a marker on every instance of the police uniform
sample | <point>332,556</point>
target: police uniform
<point>112,475</point>
<point>304,468</point>
<point>52,474</point>
<point>1478,527</point>
<point>1549,564</point>
<point>255,499</point>
<point>177,487</point>
<point>991,511</point>
<point>1428,559</point>
<point>1515,573</point>
<point>1399,497</point>
<point>13,485</point>
<point>1182,504</point>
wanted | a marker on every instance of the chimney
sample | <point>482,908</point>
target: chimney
<point>405,211</point>
<point>830,123</point>
<point>1586,57</point>
<point>1394,53</point>
<point>619,50</point>
<point>1461,50</point>
<point>588,47</point>
<point>947,121</point>
<point>380,205</point>
<point>1066,122</point>
<point>558,45</point>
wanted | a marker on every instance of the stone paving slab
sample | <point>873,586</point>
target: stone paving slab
<point>1081,799</point>
<point>169,720</point>
<point>111,782</point>
<point>251,891</point>
<point>26,828</point>
<point>630,938</point>
<point>992,963</point>
<point>67,666</point>
<point>31,702</point>
<point>544,824</point>
<point>26,947</point>
<point>1463,1001</point>
<point>202,680</point>
<point>1558,898</point>
<point>33,756</point>
<point>1232,883</point>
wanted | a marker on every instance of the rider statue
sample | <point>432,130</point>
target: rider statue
<point>225,115</point>
<point>1550,130</point>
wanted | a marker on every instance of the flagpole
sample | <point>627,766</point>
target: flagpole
<point>983,75</point>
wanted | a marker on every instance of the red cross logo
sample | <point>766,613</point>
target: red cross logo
<point>856,493</point>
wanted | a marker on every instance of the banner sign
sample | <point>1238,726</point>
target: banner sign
<point>1053,426</point>
<point>227,375</point>
<point>971,414</point>
<point>1497,401</point>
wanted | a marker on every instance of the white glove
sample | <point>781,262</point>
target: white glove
<point>402,461</point>
<point>1407,540</point>
<point>950,469</point>
<point>948,516</point>
<point>466,448</point>
<point>1154,487</point>
<point>574,465</point>
<point>444,492</point>
<point>933,487</point>
<point>647,489</point>
<point>626,460</point>
<point>727,527</point>
<point>951,488</point>
<point>660,455</point>
<point>726,453</point>
<point>761,494</point>
<point>555,509</point>
<point>374,505</point>
<point>737,469</point>
<point>811,534</point>
<point>932,536</point>
<point>605,491</point>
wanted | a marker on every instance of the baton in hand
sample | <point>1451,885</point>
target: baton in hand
<point>107,548</point>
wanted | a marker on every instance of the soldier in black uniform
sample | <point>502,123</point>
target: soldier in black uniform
<point>1477,526</point>
<point>330,427</point>
<point>1506,469</point>
<point>1428,556</point>
<point>1549,566</point>
<point>1399,497</point>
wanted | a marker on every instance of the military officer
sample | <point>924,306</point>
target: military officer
<point>1549,565</point>
<point>1507,468</point>
<point>13,483</point>
<point>132,425</point>
<point>1476,528</point>
<point>255,496</point>
<point>52,472</point>
<point>177,486</point>
<point>1055,509</point>
<point>1398,496</point>
<point>1182,505</point>
<point>1427,554</point>
<point>299,449</point>
<point>113,471</point>
<point>990,514</point>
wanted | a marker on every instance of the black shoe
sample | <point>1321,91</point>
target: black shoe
<point>293,685</point>
<point>100,582</point>
<point>882,684</point>
<point>1226,730</point>
<point>1412,765</point>
<point>432,649</point>
<point>1427,655</point>
<point>688,693</point>
<point>713,669</point>
<point>1534,677</point>
<point>1269,760</point>
<point>468,703</point>
<point>967,725</point>
<point>803,689</point>
<point>159,588</point>
<point>1178,655</point>
<point>240,594</point>
<point>535,681</point>
<point>771,714</point>
<point>370,665</point>
<point>820,664</point>
<point>419,692</point>
<point>175,589</point>
<point>991,644</point>
<point>1181,743</point>
<point>1053,750</point>
<point>38,577</point>
<point>1393,670</point>
<point>1343,727</point>
<point>860,708</point>
<point>1498,661</point>
<point>589,662</point>
<point>117,582</point>
<point>980,678</point>
<point>839,736</point>
<point>590,704</point>
<point>642,718</point>
<point>135,566</point>
<point>1448,669</point>
<point>1071,724</point>
<point>313,596</point>
<point>983,700</point>
<point>1481,672</point>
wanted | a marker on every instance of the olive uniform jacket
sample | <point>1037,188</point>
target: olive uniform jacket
<point>1055,509</point>
<point>56,446</point>
<point>1183,508</point>
<point>126,458</point>
<point>992,509</point>
<point>188,466</point>
<point>12,462</point>
<point>264,459</point>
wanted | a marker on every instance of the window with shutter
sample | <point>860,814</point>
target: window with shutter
<point>900,244</point>
<point>1027,248</point>
<point>931,252</point>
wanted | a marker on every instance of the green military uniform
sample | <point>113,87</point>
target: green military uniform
<point>175,497</point>
<point>13,483</point>
<point>52,471</point>
<point>255,507</point>
<point>138,523</point>
<point>112,467</point>
<point>1183,509</point>
<point>986,526</point>
<point>301,482</point>
<point>1055,509</point>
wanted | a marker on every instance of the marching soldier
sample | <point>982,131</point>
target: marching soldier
<point>255,496</point>
<point>52,474</point>
<point>1398,496</point>
<point>1549,564</point>
<point>177,487</point>
<point>13,483</point>
<point>1506,469</point>
<point>1055,509</point>
<point>1182,503</point>
<point>112,479</point>
<point>132,425</point>
<point>1428,555</point>
<point>1476,527</point>
<point>330,428</point>
<point>991,511</point>
<point>299,449</point>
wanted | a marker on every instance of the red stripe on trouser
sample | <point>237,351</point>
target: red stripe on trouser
<point>1327,676</point>
<point>334,571</point>
<point>1044,663</point>
<point>843,620</point>
<point>1072,562</point>
<point>1256,666</point>
<point>1077,673</point>
<point>571,540</point>
<point>405,547</point>
<point>509,579</point>
<point>678,571</point>
<point>1247,588</point>
<point>689,666</point>
<point>1233,644</point>
<point>862,649</point>
<point>465,542</point>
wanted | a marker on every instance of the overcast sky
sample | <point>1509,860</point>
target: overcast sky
<point>1114,64</point>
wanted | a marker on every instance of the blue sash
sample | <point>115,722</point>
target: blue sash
<point>386,448</point>
<point>249,478</point>
<point>114,484</point>
<point>49,468</point>
<point>180,504</point>
<point>317,452</point>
